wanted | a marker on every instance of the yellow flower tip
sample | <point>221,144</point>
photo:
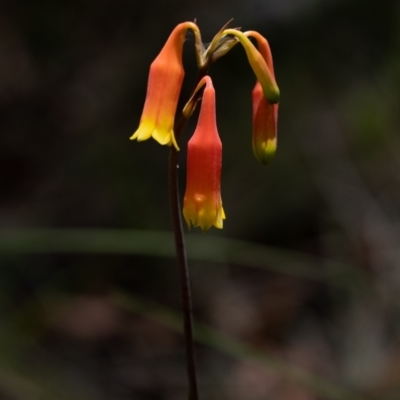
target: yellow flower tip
<point>205,220</point>
<point>220,218</point>
<point>200,211</point>
<point>187,218</point>
<point>208,218</point>
<point>222,212</point>
<point>165,137</point>
<point>147,130</point>
<point>265,150</point>
<point>143,132</point>
<point>173,142</point>
<point>162,137</point>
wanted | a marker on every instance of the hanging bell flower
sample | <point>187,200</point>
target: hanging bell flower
<point>163,90</point>
<point>202,204</point>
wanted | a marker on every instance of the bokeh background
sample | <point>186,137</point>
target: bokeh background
<point>298,294</point>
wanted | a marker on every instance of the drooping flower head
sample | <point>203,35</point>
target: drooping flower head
<point>265,115</point>
<point>163,89</point>
<point>202,202</point>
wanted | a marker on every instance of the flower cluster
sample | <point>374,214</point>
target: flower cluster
<point>202,200</point>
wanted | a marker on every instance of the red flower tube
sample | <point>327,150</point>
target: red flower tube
<point>202,204</point>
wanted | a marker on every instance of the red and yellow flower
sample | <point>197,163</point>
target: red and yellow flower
<point>163,90</point>
<point>202,202</point>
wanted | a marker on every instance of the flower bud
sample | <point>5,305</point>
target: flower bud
<point>265,115</point>
<point>265,121</point>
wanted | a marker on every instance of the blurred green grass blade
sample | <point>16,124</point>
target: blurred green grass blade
<point>234,348</point>
<point>81,240</point>
<point>160,244</point>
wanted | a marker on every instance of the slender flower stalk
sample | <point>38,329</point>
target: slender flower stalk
<point>180,249</point>
<point>183,269</point>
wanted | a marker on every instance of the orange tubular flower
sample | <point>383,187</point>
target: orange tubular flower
<point>163,89</point>
<point>202,203</point>
<point>265,115</point>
